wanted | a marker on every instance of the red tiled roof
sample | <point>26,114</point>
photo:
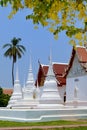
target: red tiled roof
<point>62,81</point>
<point>59,70</point>
<point>82,54</point>
<point>70,62</point>
<point>45,69</point>
<point>7,91</point>
<point>82,57</point>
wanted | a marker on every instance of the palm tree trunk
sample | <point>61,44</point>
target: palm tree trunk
<point>13,73</point>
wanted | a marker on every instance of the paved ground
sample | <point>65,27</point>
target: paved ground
<point>41,127</point>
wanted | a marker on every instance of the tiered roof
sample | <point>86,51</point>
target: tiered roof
<point>61,70</point>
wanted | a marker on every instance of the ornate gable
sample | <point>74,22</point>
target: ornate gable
<point>78,68</point>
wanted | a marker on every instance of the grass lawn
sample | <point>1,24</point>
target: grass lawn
<point>50,123</point>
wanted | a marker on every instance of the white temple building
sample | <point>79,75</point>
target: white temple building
<point>59,92</point>
<point>71,77</point>
<point>33,96</point>
<point>76,77</point>
<point>56,84</point>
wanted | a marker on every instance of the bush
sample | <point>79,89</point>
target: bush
<point>4,98</point>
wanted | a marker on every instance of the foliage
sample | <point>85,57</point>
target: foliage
<point>14,51</point>
<point>4,98</point>
<point>1,91</point>
<point>58,15</point>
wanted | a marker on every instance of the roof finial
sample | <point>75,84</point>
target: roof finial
<point>30,61</point>
<point>50,59</point>
<point>38,61</point>
<point>50,70</point>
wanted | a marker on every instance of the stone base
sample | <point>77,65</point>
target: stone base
<point>25,103</point>
<point>50,106</point>
<point>14,98</point>
<point>76,103</point>
<point>39,115</point>
<point>50,101</point>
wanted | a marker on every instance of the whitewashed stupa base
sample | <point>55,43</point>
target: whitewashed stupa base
<point>39,115</point>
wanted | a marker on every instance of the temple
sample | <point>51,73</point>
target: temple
<point>76,77</point>
<point>58,93</point>
<point>57,84</point>
<point>71,77</point>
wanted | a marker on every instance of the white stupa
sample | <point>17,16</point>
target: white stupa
<point>28,92</point>
<point>17,91</point>
<point>50,94</point>
<point>30,85</point>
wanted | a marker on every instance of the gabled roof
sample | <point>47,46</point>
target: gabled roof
<point>45,69</point>
<point>59,70</point>
<point>70,62</point>
<point>81,53</point>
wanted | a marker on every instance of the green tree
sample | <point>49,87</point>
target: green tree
<point>14,51</point>
<point>4,98</point>
<point>58,15</point>
<point>1,90</point>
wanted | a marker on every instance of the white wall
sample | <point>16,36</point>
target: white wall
<point>81,84</point>
<point>62,90</point>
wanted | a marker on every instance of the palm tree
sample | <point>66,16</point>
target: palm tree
<point>14,51</point>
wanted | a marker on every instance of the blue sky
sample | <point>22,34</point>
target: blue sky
<point>38,41</point>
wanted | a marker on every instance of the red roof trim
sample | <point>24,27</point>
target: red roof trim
<point>58,69</point>
<point>71,62</point>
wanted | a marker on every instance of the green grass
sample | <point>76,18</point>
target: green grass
<point>18,124</point>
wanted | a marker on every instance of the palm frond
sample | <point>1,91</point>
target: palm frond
<point>19,55</point>
<point>19,39</point>
<point>21,49</point>
<point>8,53</point>
<point>7,45</point>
